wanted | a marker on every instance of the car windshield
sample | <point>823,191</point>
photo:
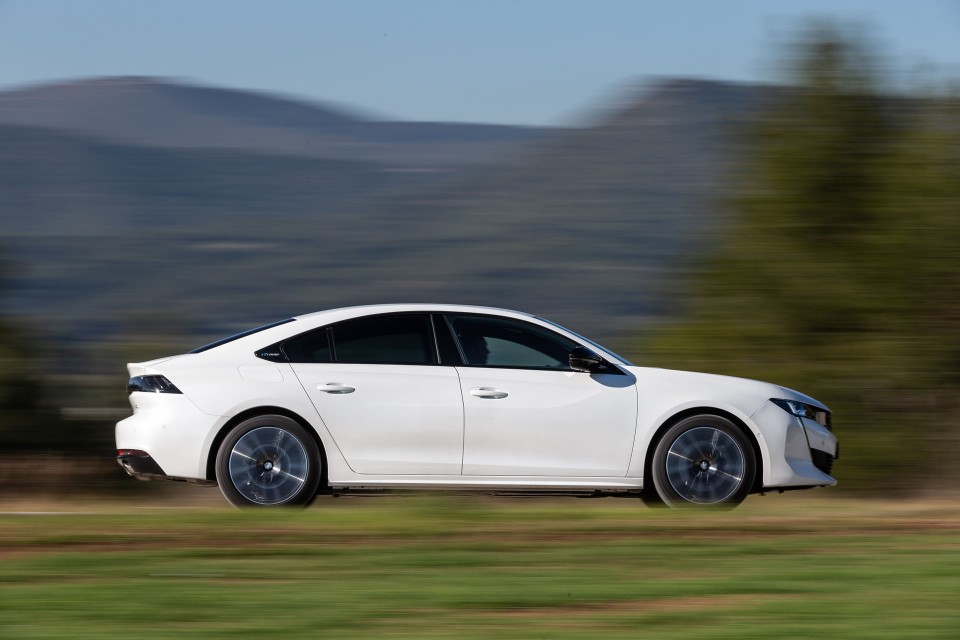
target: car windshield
<point>242,334</point>
<point>601,349</point>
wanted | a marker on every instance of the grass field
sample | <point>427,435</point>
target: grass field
<point>471,567</point>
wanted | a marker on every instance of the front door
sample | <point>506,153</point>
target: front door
<point>526,413</point>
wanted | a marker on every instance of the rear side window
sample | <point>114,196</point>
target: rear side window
<point>309,347</point>
<point>390,339</point>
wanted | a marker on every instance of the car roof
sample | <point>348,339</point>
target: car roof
<point>306,322</point>
<point>278,331</point>
<point>372,309</point>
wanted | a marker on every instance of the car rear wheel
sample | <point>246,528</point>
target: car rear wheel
<point>703,460</point>
<point>268,461</point>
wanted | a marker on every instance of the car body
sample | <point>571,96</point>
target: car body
<point>451,396</point>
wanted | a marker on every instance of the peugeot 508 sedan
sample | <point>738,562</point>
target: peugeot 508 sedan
<point>445,396</point>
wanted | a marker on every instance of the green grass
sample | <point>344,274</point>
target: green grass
<point>418,567</point>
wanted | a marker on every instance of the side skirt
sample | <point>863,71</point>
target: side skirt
<point>498,485</point>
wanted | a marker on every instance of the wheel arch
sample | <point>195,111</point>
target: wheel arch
<point>696,411</point>
<point>264,411</point>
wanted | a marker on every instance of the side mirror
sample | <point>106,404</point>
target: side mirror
<point>582,359</point>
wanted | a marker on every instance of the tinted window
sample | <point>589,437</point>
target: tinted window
<point>501,342</point>
<point>599,348</point>
<point>449,353</point>
<point>309,347</point>
<point>393,339</point>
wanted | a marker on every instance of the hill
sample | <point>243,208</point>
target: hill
<point>160,112</point>
<point>583,225</point>
<point>54,183</point>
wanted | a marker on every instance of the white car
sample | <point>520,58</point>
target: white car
<point>459,397</point>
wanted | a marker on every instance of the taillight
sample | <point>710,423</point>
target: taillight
<point>151,384</point>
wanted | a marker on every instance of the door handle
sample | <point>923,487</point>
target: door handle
<point>335,387</point>
<point>488,392</point>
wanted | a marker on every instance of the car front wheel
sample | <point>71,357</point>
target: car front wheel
<point>268,461</point>
<point>703,460</point>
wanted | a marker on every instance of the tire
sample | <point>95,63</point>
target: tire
<point>703,461</point>
<point>268,461</point>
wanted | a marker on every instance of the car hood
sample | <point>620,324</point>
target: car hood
<point>748,395</point>
<point>708,385</point>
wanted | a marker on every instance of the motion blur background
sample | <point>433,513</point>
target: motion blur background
<point>743,188</point>
<point>750,188</point>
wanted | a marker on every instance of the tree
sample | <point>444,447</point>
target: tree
<point>840,274</point>
<point>27,421</point>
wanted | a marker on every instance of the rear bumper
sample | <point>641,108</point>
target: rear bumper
<point>140,465</point>
<point>170,432</point>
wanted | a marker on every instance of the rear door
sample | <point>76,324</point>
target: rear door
<point>377,384</point>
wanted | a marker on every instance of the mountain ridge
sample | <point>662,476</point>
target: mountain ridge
<point>585,225</point>
<point>163,112</point>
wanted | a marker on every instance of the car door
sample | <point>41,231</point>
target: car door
<point>526,413</point>
<point>377,385</point>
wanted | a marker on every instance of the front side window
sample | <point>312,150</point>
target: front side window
<point>389,339</point>
<point>504,342</point>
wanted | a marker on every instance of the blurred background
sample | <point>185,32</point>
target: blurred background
<point>744,188</point>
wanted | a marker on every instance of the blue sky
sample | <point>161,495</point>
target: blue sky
<point>511,61</point>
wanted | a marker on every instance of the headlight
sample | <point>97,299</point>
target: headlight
<point>151,384</point>
<point>804,410</point>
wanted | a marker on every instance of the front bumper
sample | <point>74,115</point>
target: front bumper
<point>800,452</point>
